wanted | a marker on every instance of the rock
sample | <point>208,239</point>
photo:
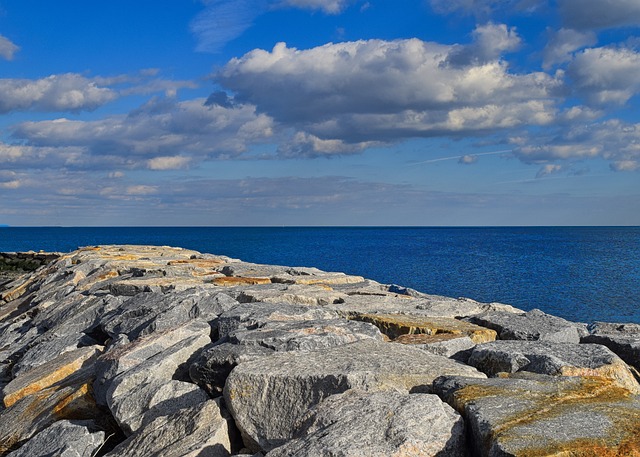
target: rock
<point>57,370</point>
<point>127,392</point>
<point>289,275</point>
<point>119,359</point>
<point>545,415</point>
<point>63,439</point>
<point>151,400</point>
<point>532,325</point>
<point>394,325</point>
<point>268,397</point>
<point>379,424</point>
<point>556,359</point>
<point>457,347</point>
<point>305,335</point>
<point>623,339</point>
<point>313,295</point>
<point>255,315</point>
<point>200,430</point>
<point>214,362</point>
<point>230,281</point>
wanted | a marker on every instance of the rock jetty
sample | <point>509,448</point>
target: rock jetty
<point>159,351</point>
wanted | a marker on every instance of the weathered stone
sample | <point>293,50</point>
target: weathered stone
<point>119,359</point>
<point>172,363</point>
<point>379,424</point>
<point>532,325</point>
<point>44,376</point>
<point>306,335</point>
<point>230,281</point>
<point>546,416</point>
<point>556,359</point>
<point>623,339</point>
<point>63,439</point>
<point>394,325</point>
<point>37,411</point>
<point>293,294</point>
<point>148,401</point>
<point>213,364</point>
<point>457,347</point>
<point>289,275</point>
<point>269,396</point>
<point>200,430</point>
<point>255,315</point>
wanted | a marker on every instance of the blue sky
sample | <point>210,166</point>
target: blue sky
<point>320,112</point>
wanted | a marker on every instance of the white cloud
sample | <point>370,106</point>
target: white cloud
<point>485,8</point>
<point>328,6</point>
<point>168,163</point>
<point>386,90</point>
<point>7,48</point>
<point>65,92</point>
<point>563,43</point>
<point>599,14</point>
<point>549,169</point>
<point>490,41</point>
<point>142,190</point>
<point>606,75</point>
<point>468,159</point>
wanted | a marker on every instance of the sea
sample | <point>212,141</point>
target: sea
<point>583,274</point>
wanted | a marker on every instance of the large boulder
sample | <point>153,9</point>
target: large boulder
<point>539,415</point>
<point>557,359</point>
<point>378,424</point>
<point>532,325</point>
<point>268,397</point>
<point>63,439</point>
<point>623,339</point>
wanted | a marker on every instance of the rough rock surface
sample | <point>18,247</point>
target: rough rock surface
<point>63,439</point>
<point>546,416</point>
<point>532,325</point>
<point>125,345</point>
<point>379,424</point>
<point>268,397</point>
<point>557,359</point>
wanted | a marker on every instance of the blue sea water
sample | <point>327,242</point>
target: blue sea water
<point>580,273</point>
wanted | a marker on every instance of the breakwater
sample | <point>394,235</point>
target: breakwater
<point>144,350</point>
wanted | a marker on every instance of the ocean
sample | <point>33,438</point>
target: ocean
<point>583,274</point>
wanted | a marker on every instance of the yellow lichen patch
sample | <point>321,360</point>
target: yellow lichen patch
<point>618,372</point>
<point>239,281</point>
<point>79,404</point>
<point>395,325</point>
<point>326,280</point>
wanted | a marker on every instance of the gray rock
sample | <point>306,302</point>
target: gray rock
<point>124,357</point>
<point>268,397</point>
<point>293,294</point>
<point>532,325</point>
<point>63,439</point>
<point>169,364</point>
<point>545,415</point>
<point>254,315</point>
<point>623,339</point>
<point>556,359</point>
<point>200,430</point>
<point>378,424</point>
<point>148,401</point>
<point>457,347</point>
<point>213,364</point>
<point>306,335</point>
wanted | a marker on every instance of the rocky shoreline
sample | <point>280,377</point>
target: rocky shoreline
<point>160,351</point>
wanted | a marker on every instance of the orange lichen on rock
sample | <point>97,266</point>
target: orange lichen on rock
<point>396,325</point>
<point>239,281</point>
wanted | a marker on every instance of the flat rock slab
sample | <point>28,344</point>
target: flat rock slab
<point>56,371</point>
<point>268,397</point>
<point>379,424</point>
<point>457,347</point>
<point>532,325</point>
<point>623,339</point>
<point>556,359</point>
<point>255,315</point>
<point>546,416</point>
<point>63,439</point>
<point>311,295</point>
<point>200,430</point>
<point>395,325</point>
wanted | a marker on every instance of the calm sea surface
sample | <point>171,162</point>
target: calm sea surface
<point>582,274</point>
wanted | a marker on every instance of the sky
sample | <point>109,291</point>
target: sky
<point>319,112</point>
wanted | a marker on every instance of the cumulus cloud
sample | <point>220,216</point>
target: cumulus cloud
<point>563,43</point>
<point>163,134</point>
<point>612,140</point>
<point>468,159</point>
<point>7,48</point>
<point>606,75</point>
<point>386,90</point>
<point>490,41</point>
<point>599,14</point>
<point>549,169</point>
<point>64,92</point>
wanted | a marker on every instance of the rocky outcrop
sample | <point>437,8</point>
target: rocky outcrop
<point>127,351</point>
